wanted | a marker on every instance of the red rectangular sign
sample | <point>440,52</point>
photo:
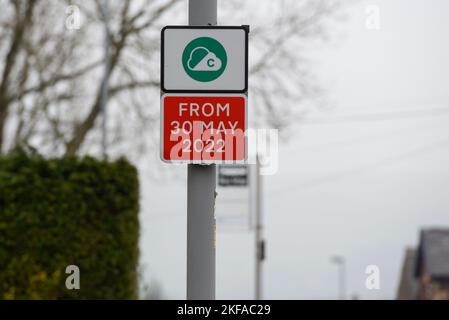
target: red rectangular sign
<point>203,128</point>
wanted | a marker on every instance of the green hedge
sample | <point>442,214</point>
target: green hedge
<point>60,212</point>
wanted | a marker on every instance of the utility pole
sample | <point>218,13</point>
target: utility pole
<point>259,242</point>
<point>105,81</point>
<point>201,182</point>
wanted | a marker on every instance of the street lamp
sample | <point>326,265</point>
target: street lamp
<point>341,263</point>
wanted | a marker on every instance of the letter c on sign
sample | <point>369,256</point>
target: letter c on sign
<point>210,63</point>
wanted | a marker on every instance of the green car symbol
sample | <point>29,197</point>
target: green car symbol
<point>204,59</point>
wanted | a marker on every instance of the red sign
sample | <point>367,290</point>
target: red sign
<point>203,128</point>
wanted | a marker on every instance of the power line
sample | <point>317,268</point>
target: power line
<point>360,170</point>
<point>399,115</point>
<point>365,138</point>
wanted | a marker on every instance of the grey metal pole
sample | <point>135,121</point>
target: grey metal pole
<point>260,248</point>
<point>201,182</point>
<point>340,261</point>
<point>202,12</point>
<point>343,280</point>
<point>105,80</point>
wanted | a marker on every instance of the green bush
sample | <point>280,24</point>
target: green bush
<point>70,211</point>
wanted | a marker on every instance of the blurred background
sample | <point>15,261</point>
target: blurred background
<point>359,206</point>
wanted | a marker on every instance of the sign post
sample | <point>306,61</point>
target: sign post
<point>204,80</point>
<point>204,83</point>
<point>201,181</point>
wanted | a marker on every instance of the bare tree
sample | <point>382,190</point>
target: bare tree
<point>282,82</point>
<point>51,76</point>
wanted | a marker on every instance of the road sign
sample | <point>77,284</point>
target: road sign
<point>233,175</point>
<point>233,206</point>
<point>204,59</point>
<point>203,128</point>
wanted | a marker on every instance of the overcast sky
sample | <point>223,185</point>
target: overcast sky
<point>357,186</point>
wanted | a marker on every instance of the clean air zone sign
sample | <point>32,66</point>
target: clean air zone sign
<point>204,84</point>
<point>204,59</point>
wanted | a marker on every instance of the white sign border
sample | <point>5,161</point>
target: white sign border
<point>243,27</point>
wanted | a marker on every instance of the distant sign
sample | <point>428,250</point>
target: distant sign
<point>233,175</point>
<point>233,209</point>
<point>203,128</point>
<point>204,59</point>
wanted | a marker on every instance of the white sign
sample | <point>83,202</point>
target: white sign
<point>204,59</point>
<point>233,175</point>
<point>233,209</point>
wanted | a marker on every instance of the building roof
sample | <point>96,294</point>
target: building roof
<point>408,286</point>
<point>433,253</point>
